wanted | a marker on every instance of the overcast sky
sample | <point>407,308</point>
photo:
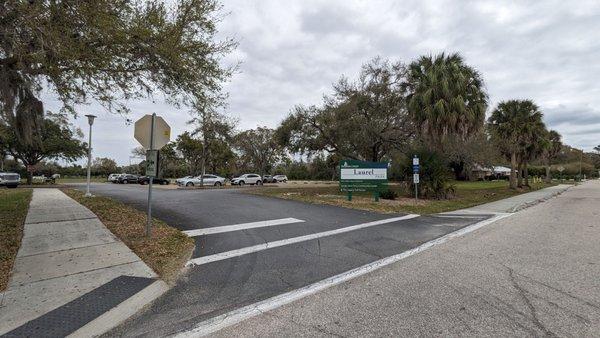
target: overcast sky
<point>290,52</point>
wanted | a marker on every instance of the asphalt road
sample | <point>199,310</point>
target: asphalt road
<point>533,274</point>
<point>211,289</point>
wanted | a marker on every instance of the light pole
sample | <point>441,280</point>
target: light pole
<point>89,172</point>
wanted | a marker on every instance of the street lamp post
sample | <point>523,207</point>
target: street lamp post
<point>89,164</point>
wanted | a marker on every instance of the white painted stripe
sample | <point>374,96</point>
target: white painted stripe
<point>460,216</point>
<point>241,226</point>
<point>269,245</point>
<point>236,316</point>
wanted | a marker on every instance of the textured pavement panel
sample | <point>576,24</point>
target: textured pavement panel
<point>29,301</point>
<point>68,318</point>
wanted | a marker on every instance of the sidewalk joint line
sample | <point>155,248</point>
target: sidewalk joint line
<point>78,273</point>
<point>65,220</point>
<point>74,248</point>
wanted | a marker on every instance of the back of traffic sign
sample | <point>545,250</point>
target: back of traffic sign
<point>162,132</point>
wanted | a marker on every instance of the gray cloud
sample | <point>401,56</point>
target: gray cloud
<point>292,51</point>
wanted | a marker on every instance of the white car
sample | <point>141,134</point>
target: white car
<point>113,177</point>
<point>247,179</point>
<point>209,180</point>
<point>280,178</point>
<point>177,181</point>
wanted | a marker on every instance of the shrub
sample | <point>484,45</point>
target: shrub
<point>388,194</point>
<point>434,174</point>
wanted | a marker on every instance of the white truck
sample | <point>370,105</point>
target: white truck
<point>10,180</point>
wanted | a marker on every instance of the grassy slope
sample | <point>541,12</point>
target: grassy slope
<point>468,194</point>
<point>14,204</point>
<point>165,252</point>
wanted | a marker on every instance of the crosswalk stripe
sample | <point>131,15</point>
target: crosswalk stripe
<point>238,315</point>
<point>288,241</point>
<point>242,226</point>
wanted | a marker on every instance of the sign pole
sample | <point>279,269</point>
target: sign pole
<point>416,191</point>
<point>416,168</point>
<point>150,179</point>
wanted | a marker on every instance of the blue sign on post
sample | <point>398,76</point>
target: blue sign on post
<point>416,168</point>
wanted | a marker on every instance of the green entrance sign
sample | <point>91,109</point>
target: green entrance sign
<point>362,176</point>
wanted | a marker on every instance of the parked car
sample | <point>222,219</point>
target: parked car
<point>177,181</point>
<point>247,179</point>
<point>269,179</point>
<point>113,177</point>
<point>280,178</point>
<point>209,180</point>
<point>10,180</point>
<point>127,178</point>
<point>155,180</point>
<point>45,179</point>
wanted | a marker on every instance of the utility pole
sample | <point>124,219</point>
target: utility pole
<point>580,159</point>
<point>89,163</point>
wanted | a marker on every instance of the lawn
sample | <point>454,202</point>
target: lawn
<point>468,194</point>
<point>13,210</point>
<point>165,252</point>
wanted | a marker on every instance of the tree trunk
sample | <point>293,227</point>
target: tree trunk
<point>513,167</point>
<point>29,177</point>
<point>526,174</point>
<point>520,175</point>
<point>548,177</point>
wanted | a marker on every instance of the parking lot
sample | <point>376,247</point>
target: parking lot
<point>250,248</point>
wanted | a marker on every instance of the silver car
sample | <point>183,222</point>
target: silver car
<point>209,180</point>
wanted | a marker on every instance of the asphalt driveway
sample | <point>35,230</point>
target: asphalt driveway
<point>231,269</point>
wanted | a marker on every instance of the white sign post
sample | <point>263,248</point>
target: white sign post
<point>152,132</point>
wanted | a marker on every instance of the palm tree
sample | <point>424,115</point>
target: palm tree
<point>445,98</point>
<point>514,125</point>
<point>552,148</point>
<point>532,144</point>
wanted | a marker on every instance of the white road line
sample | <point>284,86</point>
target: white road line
<point>250,249</point>
<point>236,316</point>
<point>460,216</point>
<point>241,226</point>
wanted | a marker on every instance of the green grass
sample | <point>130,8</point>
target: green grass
<point>468,194</point>
<point>14,204</point>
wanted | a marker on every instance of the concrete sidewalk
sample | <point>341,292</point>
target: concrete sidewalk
<point>67,271</point>
<point>516,203</point>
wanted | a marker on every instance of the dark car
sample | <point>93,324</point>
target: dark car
<point>269,179</point>
<point>127,178</point>
<point>155,180</point>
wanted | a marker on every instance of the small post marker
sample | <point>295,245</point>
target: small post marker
<point>416,168</point>
<point>349,195</point>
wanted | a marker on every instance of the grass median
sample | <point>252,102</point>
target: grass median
<point>14,204</point>
<point>165,252</point>
<point>468,194</point>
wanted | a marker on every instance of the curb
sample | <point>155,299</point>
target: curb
<point>122,312</point>
<point>538,201</point>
